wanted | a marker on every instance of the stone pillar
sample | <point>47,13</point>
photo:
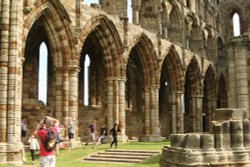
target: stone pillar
<point>65,94</point>
<point>73,97</point>
<point>180,112</point>
<point>5,22</point>
<point>136,5</point>
<point>238,73</point>
<point>177,105</point>
<point>174,113</point>
<point>110,94</point>
<point>211,112</point>
<point>236,128</point>
<point>196,103</point>
<point>246,133</point>
<point>116,100</point>
<point>122,113</point>
<point>147,111</point>
<point>58,94</point>
<point>151,115</point>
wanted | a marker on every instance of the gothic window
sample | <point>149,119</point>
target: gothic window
<point>43,72</point>
<point>86,80</point>
<point>188,3</point>
<point>236,24</point>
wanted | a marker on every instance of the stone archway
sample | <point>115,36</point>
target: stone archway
<point>106,81</point>
<point>171,99</point>
<point>222,99</point>
<point>142,68</point>
<point>46,26</point>
<point>193,98</point>
<point>209,99</point>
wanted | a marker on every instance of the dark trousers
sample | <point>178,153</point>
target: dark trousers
<point>115,141</point>
<point>32,152</point>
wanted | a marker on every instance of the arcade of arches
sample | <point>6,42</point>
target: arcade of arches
<point>152,79</point>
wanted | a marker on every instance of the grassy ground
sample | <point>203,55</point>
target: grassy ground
<point>74,158</point>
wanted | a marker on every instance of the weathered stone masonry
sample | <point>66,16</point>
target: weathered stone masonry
<point>164,73</point>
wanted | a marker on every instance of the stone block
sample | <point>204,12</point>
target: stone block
<point>207,141</point>
<point>230,114</point>
<point>246,126</point>
<point>193,141</point>
<point>178,140</point>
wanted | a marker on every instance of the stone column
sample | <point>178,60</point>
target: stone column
<point>73,97</point>
<point>211,112</point>
<point>116,100</point>
<point>196,110</point>
<point>110,94</point>
<point>242,76</point>
<point>65,94</point>
<point>136,5</point>
<point>155,111</point>
<point>122,113</point>
<point>174,112</point>
<point>147,111</point>
<point>5,22</point>
<point>58,94</point>
<point>177,101</point>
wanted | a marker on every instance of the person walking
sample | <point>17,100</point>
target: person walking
<point>47,132</point>
<point>115,131</point>
<point>24,127</point>
<point>103,134</point>
<point>70,132</point>
<point>91,134</point>
<point>34,145</point>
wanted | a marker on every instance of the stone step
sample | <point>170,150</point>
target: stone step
<point>128,153</point>
<point>122,156</point>
<point>119,156</point>
<point>112,160</point>
<point>134,151</point>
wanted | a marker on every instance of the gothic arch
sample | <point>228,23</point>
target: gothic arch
<point>193,98</point>
<point>110,42</point>
<point>230,9</point>
<point>174,26</point>
<point>209,43</point>
<point>209,98</point>
<point>171,94</point>
<point>57,29</point>
<point>222,99</point>
<point>148,58</point>
<point>142,87</point>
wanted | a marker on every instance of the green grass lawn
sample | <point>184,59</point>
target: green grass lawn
<point>74,158</point>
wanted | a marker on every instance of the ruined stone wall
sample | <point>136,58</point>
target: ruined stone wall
<point>227,144</point>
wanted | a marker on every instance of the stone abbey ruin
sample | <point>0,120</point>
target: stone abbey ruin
<point>162,73</point>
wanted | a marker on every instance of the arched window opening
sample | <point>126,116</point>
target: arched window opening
<point>188,3</point>
<point>86,80</point>
<point>43,72</point>
<point>129,7</point>
<point>236,24</point>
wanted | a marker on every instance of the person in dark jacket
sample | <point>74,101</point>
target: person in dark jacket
<point>115,131</point>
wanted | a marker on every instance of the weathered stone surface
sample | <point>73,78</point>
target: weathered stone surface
<point>227,114</point>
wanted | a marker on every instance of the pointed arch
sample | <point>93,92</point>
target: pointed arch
<point>174,70</point>
<point>171,94</point>
<point>110,42</point>
<point>174,27</point>
<point>193,98</point>
<point>54,19</point>
<point>209,98</point>
<point>148,58</point>
<point>230,9</point>
<point>222,100</point>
